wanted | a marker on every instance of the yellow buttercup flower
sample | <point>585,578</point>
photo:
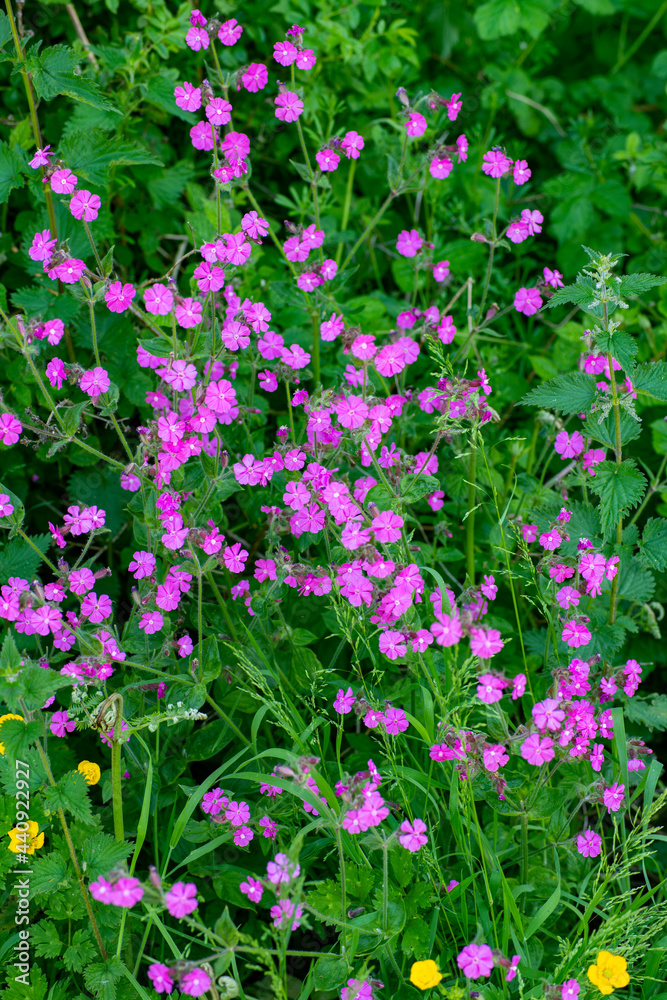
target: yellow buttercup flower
<point>424,975</point>
<point>4,718</point>
<point>90,771</point>
<point>25,841</point>
<point>609,973</point>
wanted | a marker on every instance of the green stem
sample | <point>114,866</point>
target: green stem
<point>492,250</point>
<point>223,606</point>
<point>470,518</point>
<point>343,887</point>
<point>613,600</point>
<point>524,848</point>
<point>641,38</point>
<point>92,243</point>
<point>346,207</point>
<point>39,552</point>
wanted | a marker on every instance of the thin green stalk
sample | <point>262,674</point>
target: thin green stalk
<point>613,599</point>
<point>39,552</point>
<point>346,207</point>
<point>116,772</point>
<point>470,517</point>
<point>291,413</point>
<point>222,605</point>
<point>343,887</point>
<point>492,250</point>
<point>639,41</point>
<point>94,248</point>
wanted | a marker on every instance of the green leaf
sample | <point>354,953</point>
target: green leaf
<point>621,346</point>
<point>47,874</point>
<point>653,546</point>
<point>16,519</point>
<point>166,189</point>
<point>92,155</point>
<point>612,199</point>
<point>572,393</point>
<point>415,487</point>
<point>72,417</point>
<point>71,795</point>
<point>635,582</point>
<point>10,658</point>
<point>33,685</point>
<point>659,436</point>
<point>330,973</point>
<point>18,558</point>
<point>17,737</point>
<point>416,937</point>
<point>543,913</point>
<point>604,431</point>
<point>5,29</point>
<point>620,488</point>
<point>580,294</point>
<point>10,171</point>
<point>651,714</point>
<point>497,18</point>
<point>206,742</point>
<point>80,951</point>
<point>651,379</point>
<point>635,284</point>
<point>102,978</point>
<point>46,939</point>
<point>52,74</point>
<point>102,853</point>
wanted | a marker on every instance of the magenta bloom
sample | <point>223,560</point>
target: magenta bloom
<point>569,446</point>
<point>409,243</point>
<point>63,181</point>
<point>195,983</point>
<point>528,301</point>
<point>158,975</point>
<point>10,428</point>
<point>570,990</point>
<point>181,376</point>
<point>289,107</point>
<point>285,53</point>
<point>395,721</point>
<point>70,271</point>
<point>416,124</point>
<point>494,757</point>
<point>521,172</point>
<point>613,797</point>
<point>151,622</point>
<point>61,724</point>
<point>589,844</point>
<point>392,644</point>
<point>253,889</point>
<point>188,97</point>
<point>85,205</point>
<point>496,163</point>
<point>344,701</point>
<point>159,300</point>
<point>387,526</point>
<point>182,899</point>
<point>126,892</point>
<point>6,509</point>
<point>255,77</point>
<point>412,836</point>
<point>188,313</point>
<point>95,382</point>
<point>538,750</point>
<point>286,914</point>
<point>575,634</point>
<point>42,245</point>
<point>230,32</point>
<point>327,159</point>
<point>118,296</point>
<point>352,144</point>
<point>41,158</point>
<point>485,643</point>
<point>475,960</point>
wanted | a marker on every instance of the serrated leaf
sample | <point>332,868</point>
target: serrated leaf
<point>53,73</point>
<point>71,795</point>
<point>635,582</point>
<point>47,874</point>
<point>103,852</point>
<point>10,171</point>
<point>46,939</point>
<point>651,714</point>
<point>580,294</point>
<point>17,737</point>
<point>572,393</point>
<point>102,978</point>
<point>414,488</point>
<point>72,417</point>
<point>620,488</point>
<point>651,379</point>
<point>80,951</point>
<point>635,284</point>
<point>18,558</point>
<point>653,546</point>
<point>15,519</point>
<point>10,658</point>
<point>92,156</point>
<point>621,346</point>
<point>33,686</point>
<point>330,972</point>
<point>604,430</point>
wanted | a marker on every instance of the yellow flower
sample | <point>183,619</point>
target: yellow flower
<point>5,718</point>
<point>25,841</point>
<point>90,771</point>
<point>609,973</point>
<point>424,975</point>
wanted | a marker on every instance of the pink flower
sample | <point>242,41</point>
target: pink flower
<point>440,167</point>
<point>392,644</point>
<point>409,243</point>
<point>395,721</point>
<point>188,313</point>
<point>285,53</point>
<point>521,172</point>
<point>553,278</point>
<point>10,428</point>
<point>344,701</point>
<point>475,960</point>
<point>613,797</point>
<point>181,899</point>
<point>252,888</point>
<point>569,446</point>
<point>181,376</point>
<point>527,301</point>
<point>42,245</point>
<point>387,526</point>
<point>255,77</point>
<point>288,107</point>
<point>533,220</point>
<point>550,540</point>
<point>306,59</point>
<point>441,270</point>
<point>485,643</point>
<point>6,508</point>
<point>85,205</point>
<point>61,724</point>
<point>575,634</point>
<point>96,608</point>
<point>151,622</point>
<point>453,106</point>
<point>94,382</point>
<point>188,97</point>
<point>157,973</point>
<point>570,990</point>
<point>230,32</point>
<point>63,181</point>
<point>494,756</point>
<point>283,913</point>
<point>118,296</point>
<point>218,111</point>
<point>538,750</point>
<point>592,458</point>
<point>195,983</point>
<point>327,159</point>
<point>490,689</point>
<point>159,300</point>
<point>352,144</point>
<point>496,163</point>
<point>548,715</point>
<point>412,836</point>
<point>70,271</point>
<point>41,157</point>
<point>416,124</point>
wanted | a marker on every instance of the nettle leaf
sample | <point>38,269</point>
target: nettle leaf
<point>103,852</point>
<point>53,73</point>
<point>70,795</point>
<point>635,582</point>
<point>33,686</point>
<point>18,558</point>
<point>620,488</point>
<point>94,154</point>
<point>580,294</point>
<point>47,874</point>
<point>659,436</point>
<point>651,714</point>
<point>653,546</point>
<point>621,346</point>
<point>572,393</point>
<point>604,430</point>
<point>10,658</point>
<point>635,284</point>
<point>651,379</point>
<point>11,175</point>
<point>102,978</point>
